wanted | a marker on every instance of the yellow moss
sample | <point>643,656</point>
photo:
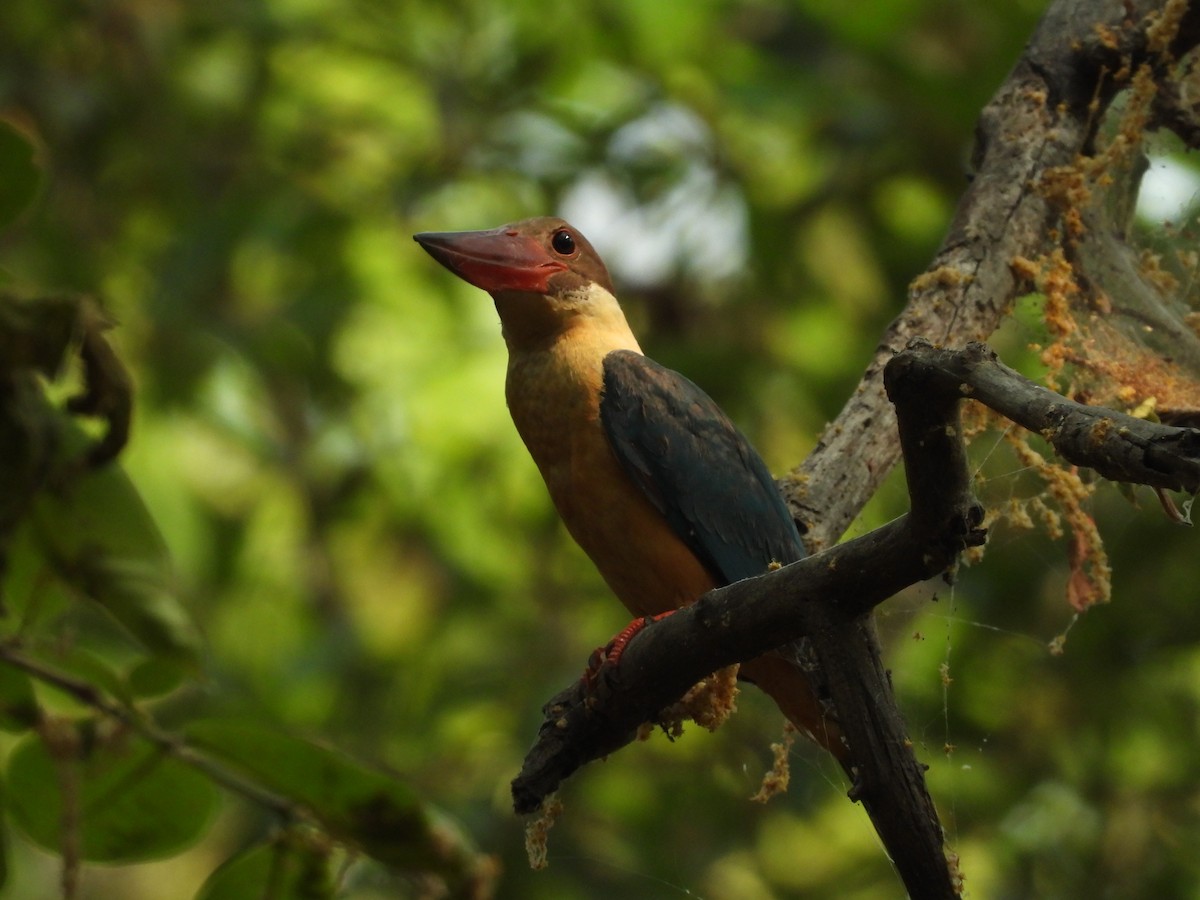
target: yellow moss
<point>1165,26</point>
<point>972,556</point>
<point>776,779</point>
<point>1090,578</point>
<point>1150,265</point>
<point>1145,409</point>
<point>1099,432</point>
<point>1048,516</point>
<point>1126,374</point>
<point>537,830</point>
<point>975,418</point>
<point>1108,37</point>
<point>940,278</point>
<point>709,703</point>
<point>1026,270</point>
<point>957,879</point>
<point>1068,187</point>
<point>1037,96</point>
<point>1016,513</point>
<point>1060,288</point>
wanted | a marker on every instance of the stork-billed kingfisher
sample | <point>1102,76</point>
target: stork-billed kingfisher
<point>651,478</point>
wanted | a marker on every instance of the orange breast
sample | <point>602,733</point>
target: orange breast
<point>554,397</point>
<point>646,565</point>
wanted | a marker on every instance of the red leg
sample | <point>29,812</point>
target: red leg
<point>611,652</point>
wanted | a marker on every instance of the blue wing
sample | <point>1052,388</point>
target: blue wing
<point>696,468</point>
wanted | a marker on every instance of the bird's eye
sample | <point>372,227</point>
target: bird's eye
<point>563,242</point>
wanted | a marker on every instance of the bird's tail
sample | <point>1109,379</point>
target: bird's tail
<point>794,694</point>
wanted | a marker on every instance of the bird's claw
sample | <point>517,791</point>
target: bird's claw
<point>611,652</point>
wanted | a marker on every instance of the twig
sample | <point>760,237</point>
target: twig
<point>1117,446</point>
<point>141,724</point>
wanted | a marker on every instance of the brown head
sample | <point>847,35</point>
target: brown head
<point>543,274</point>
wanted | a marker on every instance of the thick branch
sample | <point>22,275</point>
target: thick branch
<point>822,597</point>
<point>1041,118</point>
<point>728,625</point>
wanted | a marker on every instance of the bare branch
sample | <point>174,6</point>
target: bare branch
<point>1117,446</point>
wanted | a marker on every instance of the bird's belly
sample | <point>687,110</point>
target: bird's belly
<point>554,398</point>
<point>647,566</point>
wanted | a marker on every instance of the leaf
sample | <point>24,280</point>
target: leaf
<point>282,870</point>
<point>104,541</point>
<point>4,842</point>
<point>365,807</point>
<point>28,595</point>
<point>94,669</point>
<point>149,677</point>
<point>155,677</point>
<point>18,707</point>
<point>21,175</point>
<point>135,803</point>
<point>138,596</point>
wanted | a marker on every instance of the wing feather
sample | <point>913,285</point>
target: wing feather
<point>696,468</point>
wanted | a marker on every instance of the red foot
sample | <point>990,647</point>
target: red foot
<point>611,652</point>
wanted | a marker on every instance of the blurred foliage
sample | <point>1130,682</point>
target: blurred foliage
<point>320,432</point>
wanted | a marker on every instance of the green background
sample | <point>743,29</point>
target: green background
<point>321,434</point>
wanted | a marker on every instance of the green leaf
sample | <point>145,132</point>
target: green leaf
<point>18,707</point>
<point>29,596</point>
<point>94,669</point>
<point>282,870</point>
<point>134,802</point>
<point>21,175</point>
<point>356,804</point>
<point>4,841</point>
<point>155,677</point>
<point>137,596</point>
<point>103,540</point>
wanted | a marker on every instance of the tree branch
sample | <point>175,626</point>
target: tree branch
<point>1042,118</point>
<point>171,744</point>
<point>1118,447</point>
<point>822,597</point>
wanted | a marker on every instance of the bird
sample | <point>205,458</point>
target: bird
<point>651,478</point>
